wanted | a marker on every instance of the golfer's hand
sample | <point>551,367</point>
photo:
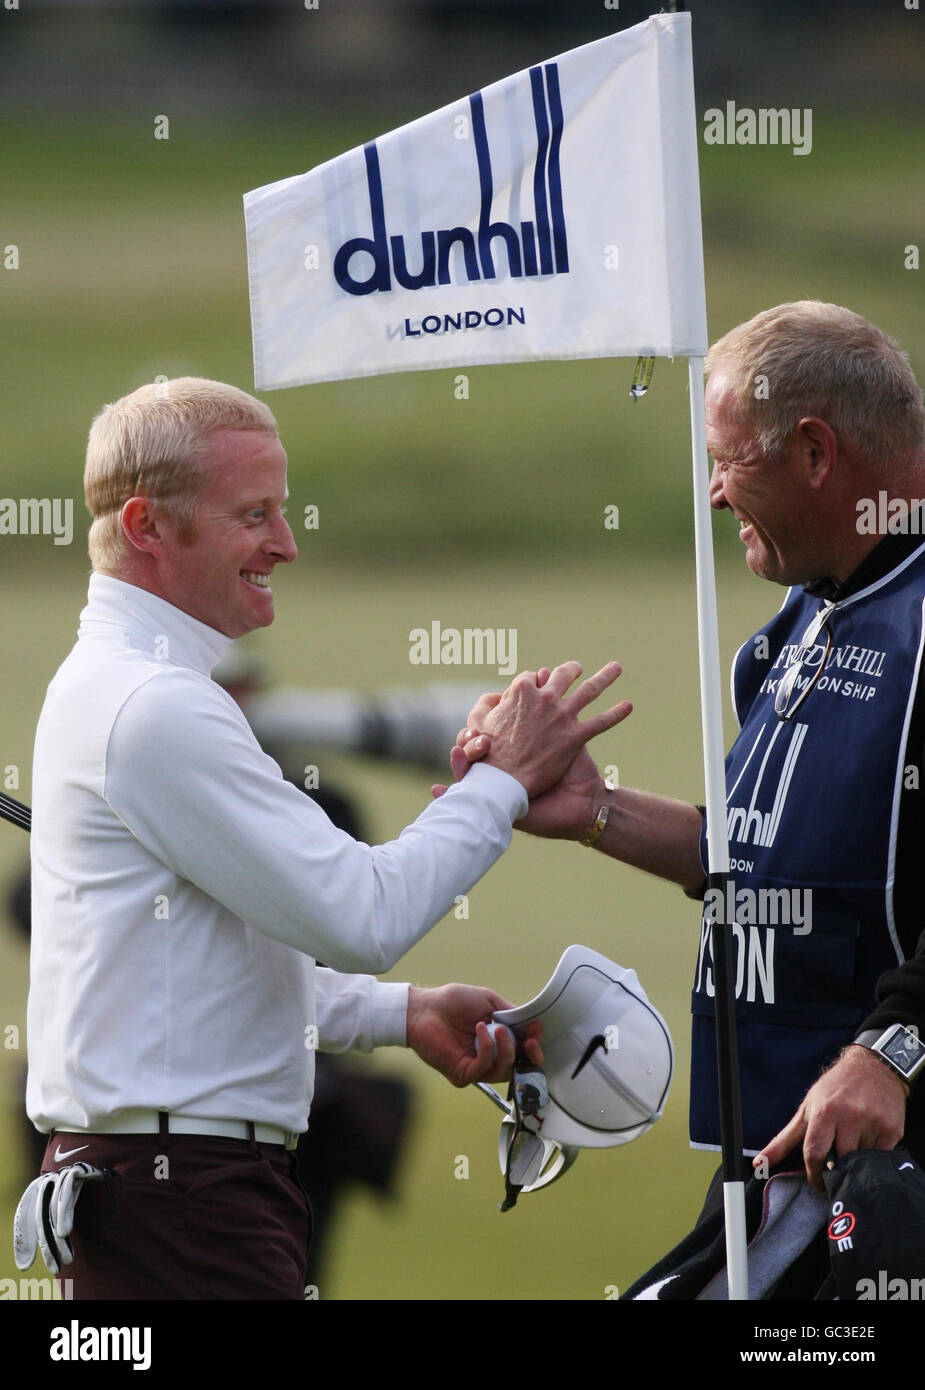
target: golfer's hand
<point>471,746</point>
<point>533,727</point>
<point>859,1103</point>
<point>448,1029</point>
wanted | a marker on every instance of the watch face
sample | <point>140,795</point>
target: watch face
<point>904,1050</point>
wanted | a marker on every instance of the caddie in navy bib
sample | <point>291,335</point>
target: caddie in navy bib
<point>813,790</point>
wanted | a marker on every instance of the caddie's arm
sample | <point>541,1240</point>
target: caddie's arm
<point>653,833</point>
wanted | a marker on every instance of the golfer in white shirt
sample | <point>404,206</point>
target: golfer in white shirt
<point>182,889</point>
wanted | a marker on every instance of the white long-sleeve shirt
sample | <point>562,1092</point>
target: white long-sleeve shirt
<point>182,889</point>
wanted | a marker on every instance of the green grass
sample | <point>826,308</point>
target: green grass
<point>133,264</point>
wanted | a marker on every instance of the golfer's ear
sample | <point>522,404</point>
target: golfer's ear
<point>142,524</point>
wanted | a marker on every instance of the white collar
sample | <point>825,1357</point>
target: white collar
<point>149,619</point>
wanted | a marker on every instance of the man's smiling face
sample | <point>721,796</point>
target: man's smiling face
<point>222,577</point>
<point>767,495</point>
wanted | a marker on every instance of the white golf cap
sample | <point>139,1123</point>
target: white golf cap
<point>608,1053</point>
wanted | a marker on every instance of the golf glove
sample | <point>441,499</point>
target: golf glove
<point>44,1218</point>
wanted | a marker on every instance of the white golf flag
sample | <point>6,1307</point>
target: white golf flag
<point>553,214</point>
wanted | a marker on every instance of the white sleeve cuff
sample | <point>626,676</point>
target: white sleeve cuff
<point>389,1021</point>
<point>359,1012</point>
<point>495,785</point>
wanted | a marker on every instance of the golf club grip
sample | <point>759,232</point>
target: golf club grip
<point>15,811</point>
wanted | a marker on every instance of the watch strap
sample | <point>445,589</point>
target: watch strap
<point>878,1039</point>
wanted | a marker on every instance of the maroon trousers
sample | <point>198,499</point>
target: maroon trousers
<point>185,1216</point>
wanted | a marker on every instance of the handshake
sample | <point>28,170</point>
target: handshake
<point>532,732</point>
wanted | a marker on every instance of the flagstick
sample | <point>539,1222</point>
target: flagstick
<point>730,1105</point>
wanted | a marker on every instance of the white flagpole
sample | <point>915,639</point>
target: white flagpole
<point>715,778</point>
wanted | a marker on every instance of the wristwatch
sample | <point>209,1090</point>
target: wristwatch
<point>898,1046</point>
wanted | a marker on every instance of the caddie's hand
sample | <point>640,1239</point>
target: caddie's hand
<point>448,1029</point>
<point>534,729</point>
<point>472,746</point>
<point>567,810</point>
<point>859,1103</point>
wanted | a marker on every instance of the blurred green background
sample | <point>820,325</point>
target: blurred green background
<point>485,512</point>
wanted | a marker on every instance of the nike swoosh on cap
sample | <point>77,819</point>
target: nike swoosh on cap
<point>598,1041</point>
<point>59,1155</point>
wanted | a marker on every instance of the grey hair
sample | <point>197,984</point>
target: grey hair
<point>811,358</point>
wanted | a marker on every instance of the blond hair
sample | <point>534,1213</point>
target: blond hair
<point>811,358</point>
<point>155,443</point>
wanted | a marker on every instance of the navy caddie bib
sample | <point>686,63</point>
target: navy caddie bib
<point>812,805</point>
